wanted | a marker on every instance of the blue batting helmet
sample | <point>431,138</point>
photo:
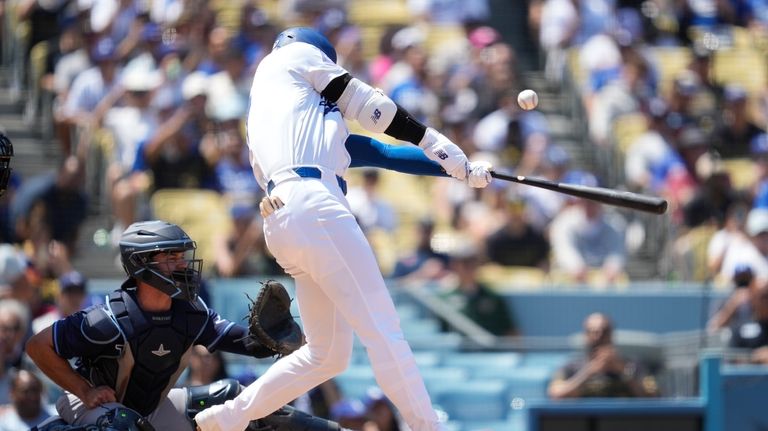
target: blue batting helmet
<point>306,35</point>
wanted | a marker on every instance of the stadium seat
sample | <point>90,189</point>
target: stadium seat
<point>742,171</point>
<point>476,361</point>
<point>485,400</point>
<point>201,213</point>
<point>528,383</point>
<point>507,278</point>
<point>668,62</point>
<point>356,380</point>
<point>744,66</point>
<point>378,12</point>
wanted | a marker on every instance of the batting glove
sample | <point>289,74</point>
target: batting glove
<point>479,174</point>
<point>268,205</point>
<point>441,150</point>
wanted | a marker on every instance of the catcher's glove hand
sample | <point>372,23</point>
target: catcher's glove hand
<point>270,321</point>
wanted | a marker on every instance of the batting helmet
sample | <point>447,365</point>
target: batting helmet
<point>6,152</point>
<point>306,35</point>
<point>142,241</point>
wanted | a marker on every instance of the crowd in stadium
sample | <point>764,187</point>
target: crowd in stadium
<point>670,100</point>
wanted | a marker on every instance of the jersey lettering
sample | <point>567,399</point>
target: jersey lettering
<point>328,106</point>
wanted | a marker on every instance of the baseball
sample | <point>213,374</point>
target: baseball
<point>527,99</point>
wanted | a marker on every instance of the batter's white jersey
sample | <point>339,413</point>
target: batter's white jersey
<point>289,123</point>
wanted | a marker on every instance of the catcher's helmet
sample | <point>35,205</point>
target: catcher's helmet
<point>6,152</point>
<point>142,241</point>
<point>306,35</point>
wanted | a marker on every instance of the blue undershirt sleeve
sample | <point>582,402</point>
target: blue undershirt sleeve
<point>408,159</point>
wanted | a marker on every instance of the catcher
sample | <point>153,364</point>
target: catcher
<point>131,350</point>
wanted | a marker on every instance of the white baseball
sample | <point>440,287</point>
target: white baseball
<point>528,99</point>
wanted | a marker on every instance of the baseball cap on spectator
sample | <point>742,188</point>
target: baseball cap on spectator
<point>581,178</point>
<point>347,409</point>
<point>73,282</point>
<point>758,146</point>
<point>692,136</point>
<point>483,36</point>
<point>140,79</point>
<point>408,37</point>
<point>757,221</point>
<point>687,83</point>
<point>103,50</point>
<point>657,108</point>
<point>102,14</point>
<point>152,32</point>
<point>13,264</point>
<point>734,93</point>
<point>557,156</point>
<point>195,84</point>
<point>373,395</point>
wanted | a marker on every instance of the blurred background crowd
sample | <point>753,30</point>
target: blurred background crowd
<point>127,110</point>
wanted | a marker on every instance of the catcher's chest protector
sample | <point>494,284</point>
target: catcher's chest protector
<point>158,344</point>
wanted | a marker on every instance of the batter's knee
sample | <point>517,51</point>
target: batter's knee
<point>332,361</point>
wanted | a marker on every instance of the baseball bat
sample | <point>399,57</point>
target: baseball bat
<point>618,198</point>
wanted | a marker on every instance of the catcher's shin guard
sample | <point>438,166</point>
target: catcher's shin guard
<point>200,398</point>
<point>288,418</point>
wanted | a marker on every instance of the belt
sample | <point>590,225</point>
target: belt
<point>310,172</point>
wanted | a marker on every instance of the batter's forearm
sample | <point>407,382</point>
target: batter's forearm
<point>368,152</point>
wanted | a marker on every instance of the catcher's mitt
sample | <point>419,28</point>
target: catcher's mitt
<point>270,321</point>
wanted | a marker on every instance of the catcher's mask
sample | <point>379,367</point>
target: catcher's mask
<point>162,255</point>
<point>6,152</point>
<point>306,35</point>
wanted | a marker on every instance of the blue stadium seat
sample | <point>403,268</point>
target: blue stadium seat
<point>442,379</point>
<point>419,327</point>
<point>355,381</point>
<point>552,360</point>
<point>479,360</point>
<point>528,383</point>
<point>473,400</point>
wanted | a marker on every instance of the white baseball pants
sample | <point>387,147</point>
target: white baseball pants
<point>340,291</point>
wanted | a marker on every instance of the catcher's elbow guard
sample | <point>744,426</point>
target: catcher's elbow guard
<point>371,108</point>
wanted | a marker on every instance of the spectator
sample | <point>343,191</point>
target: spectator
<point>14,324</point>
<point>349,413</point>
<point>474,299</point>
<point>713,196</point>
<point>736,130</point>
<point>372,212</point>
<point>89,91</point>
<point>52,207</point>
<point>731,234</point>
<point>380,412</point>
<point>173,154</point>
<point>71,296</point>
<point>14,283</point>
<point>602,371</point>
<point>645,164</point>
<point>130,125</point>
<point>205,367</point>
<point>751,252</point>
<point>29,408</point>
<point>241,251</point>
<point>736,310</point>
<point>517,243</point>
<point>753,334</point>
<point>585,238</point>
<point>424,263</point>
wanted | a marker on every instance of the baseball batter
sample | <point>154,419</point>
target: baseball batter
<point>296,136</point>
